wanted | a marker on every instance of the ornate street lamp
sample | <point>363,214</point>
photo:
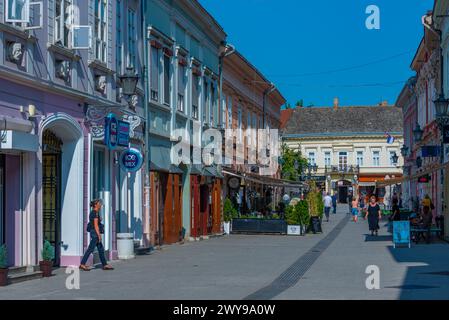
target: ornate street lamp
<point>417,133</point>
<point>129,81</point>
<point>404,150</point>
<point>442,112</point>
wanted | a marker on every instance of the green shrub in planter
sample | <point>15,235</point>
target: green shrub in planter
<point>302,211</point>
<point>48,252</point>
<point>3,257</point>
<point>291,215</point>
<point>229,212</point>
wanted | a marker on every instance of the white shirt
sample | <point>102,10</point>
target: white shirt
<point>327,201</point>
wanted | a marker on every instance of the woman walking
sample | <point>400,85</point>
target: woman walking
<point>373,214</point>
<point>96,229</point>
<point>355,209</point>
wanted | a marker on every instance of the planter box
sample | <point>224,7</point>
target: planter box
<point>294,230</point>
<point>259,226</point>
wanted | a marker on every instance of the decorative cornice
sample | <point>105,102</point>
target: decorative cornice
<point>69,54</point>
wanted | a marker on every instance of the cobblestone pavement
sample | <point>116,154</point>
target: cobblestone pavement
<point>331,265</point>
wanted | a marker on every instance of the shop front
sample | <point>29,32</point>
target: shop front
<point>166,194</point>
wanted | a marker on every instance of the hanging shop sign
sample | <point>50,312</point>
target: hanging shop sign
<point>110,131</point>
<point>234,183</point>
<point>123,133</point>
<point>446,134</point>
<point>430,151</point>
<point>424,179</point>
<point>131,160</point>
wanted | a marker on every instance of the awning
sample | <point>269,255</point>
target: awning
<point>20,141</point>
<point>389,182</point>
<point>265,180</point>
<point>15,124</point>
<point>160,158</point>
<point>196,169</point>
<point>211,171</point>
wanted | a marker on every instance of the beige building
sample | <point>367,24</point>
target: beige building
<point>347,147</point>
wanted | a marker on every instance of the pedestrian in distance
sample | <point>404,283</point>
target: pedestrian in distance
<point>374,215</point>
<point>349,202</point>
<point>362,203</point>
<point>427,205</point>
<point>334,203</point>
<point>327,205</point>
<point>355,209</point>
<point>96,229</point>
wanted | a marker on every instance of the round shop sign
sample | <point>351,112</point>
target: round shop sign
<point>234,182</point>
<point>131,160</point>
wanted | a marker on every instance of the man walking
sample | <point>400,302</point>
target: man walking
<point>327,205</point>
<point>334,202</point>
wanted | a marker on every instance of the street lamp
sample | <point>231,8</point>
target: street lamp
<point>441,108</point>
<point>129,81</point>
<point>418,132</point>
<point>404,150</point>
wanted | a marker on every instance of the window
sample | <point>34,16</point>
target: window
<point>376,158</point>
<point>100,31</point>
<point>239,119</point>
<point>327,159</point>
<point>229,106</point>
<point>166,79</point>
<point>392,153</point>
<point>195,96</point>
<point>342,161</point>
<point>360,158</point>
<point>181,87</point>
<point>119,39</point>
<point>62,22</point>
<point>213,104</point>
<point>206,101</point>
<point>311,158</point>
<point>132,33</point>
<point>154,74</point>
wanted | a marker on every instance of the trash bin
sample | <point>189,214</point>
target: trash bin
<point>125,246</point>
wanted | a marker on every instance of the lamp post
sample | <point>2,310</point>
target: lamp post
<point>129,84</point>
<point>404,150</point>
<point>417,133</point>
<point>395,159</point>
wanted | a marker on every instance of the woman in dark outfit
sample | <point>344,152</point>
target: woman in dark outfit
<point>96,228</point>
<point>373,214</point>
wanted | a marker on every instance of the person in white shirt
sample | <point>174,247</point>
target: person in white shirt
<point>327,205</point>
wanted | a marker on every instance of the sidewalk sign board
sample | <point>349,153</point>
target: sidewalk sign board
<point>401,233</point>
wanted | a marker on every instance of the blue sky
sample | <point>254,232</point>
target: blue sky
<point>298,45</point>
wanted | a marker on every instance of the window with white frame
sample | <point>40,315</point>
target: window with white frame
<point>229,106</point>
<point>132,34</point>
<point>360,158</point>
<point>62,22</point>
<point>154,74</point>
<point>181,87</point>
<point>327,158</point>
<point>167,65</point>
<point>100,29</point>
<point>195,96</point>
<point>376,158</point>
<point>311,158</point>
<point>213,104</point>
<point>206,100</point>
<point>119,37</point>
<point>343,161</point>
<point>392,154</point>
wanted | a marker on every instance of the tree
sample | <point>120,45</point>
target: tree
<point>300,103</point>
<point>288,106</point>
<point>288,159</point>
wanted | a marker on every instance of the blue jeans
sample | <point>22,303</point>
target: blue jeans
<point>335,208</point>
<point>327,210</point>
<point>94,242</point>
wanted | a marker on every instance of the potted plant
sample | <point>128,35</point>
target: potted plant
<point>293,223</point>
<point>302,211</point>
<point>48,254</point>
<point>316,207</point>
<point>3,265</point>
<point>229,212</point>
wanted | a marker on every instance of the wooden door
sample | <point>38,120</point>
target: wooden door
<point>177,210</point>
<point>216,207</point>
<point>195,225</point>
<point>167,224</point>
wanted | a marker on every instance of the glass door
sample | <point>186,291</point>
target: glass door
<point>2,199</point>
<point>343,161</point>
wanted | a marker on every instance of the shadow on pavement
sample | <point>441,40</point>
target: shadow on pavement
<point>370,238</point>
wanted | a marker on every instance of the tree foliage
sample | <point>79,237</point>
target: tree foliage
<point>288,159</point>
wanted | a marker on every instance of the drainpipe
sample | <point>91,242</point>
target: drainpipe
<point>146,116</point>
<point>229,49</point>
<point>269,90</point>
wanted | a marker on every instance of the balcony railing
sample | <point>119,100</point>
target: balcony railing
<point>340,169</point>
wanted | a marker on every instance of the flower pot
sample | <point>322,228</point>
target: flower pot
<point>227,227</point>
<point>3,277</point>
<point>46,267</point>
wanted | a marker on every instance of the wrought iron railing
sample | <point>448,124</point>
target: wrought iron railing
<point>340,169</point>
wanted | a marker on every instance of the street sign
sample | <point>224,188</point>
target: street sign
<point>123,133</point>
<point>401,233</point>
<point>131,160</point>
<point>110,131</point>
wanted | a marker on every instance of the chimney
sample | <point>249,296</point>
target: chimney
<point>383,103</point>
<point>335,103</point>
